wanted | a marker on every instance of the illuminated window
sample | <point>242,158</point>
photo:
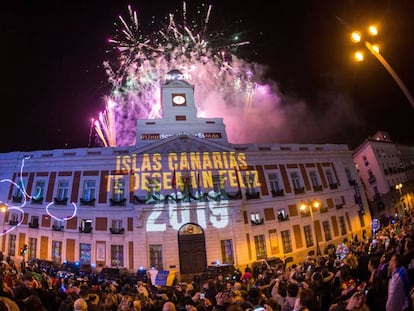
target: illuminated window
<point>57,225</point>
<point>326,230</point>
<point>308,235</point>
<point>18,194</point>
<point>342,226</point>
<point>85,253</point>
<point>286,241</point>
<point>256,218</point>
<point>227,251</point>
<point>274,242</point>
<point>117,255</point>
<point>12,245</point>
<point>32,248</point>
<point>63,189</point>
<point>89,190</point>
<point>260,246</point>
<point>155,253</point>
<point>57,252</point>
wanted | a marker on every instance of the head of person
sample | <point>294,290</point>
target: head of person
<point>28,280</point>
<point>80,305</point>
<point>168,306</point>
<point>395,262</point>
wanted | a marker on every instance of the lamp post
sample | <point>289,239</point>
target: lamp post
<point>356,37</point>
<point>315,204</point>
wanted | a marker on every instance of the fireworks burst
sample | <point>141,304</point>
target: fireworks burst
<point>208,58</point>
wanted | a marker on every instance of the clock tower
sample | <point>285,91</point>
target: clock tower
<point>179,115</point>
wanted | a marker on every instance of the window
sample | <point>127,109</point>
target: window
<point>39,190</point>
<point>89,189</point>
<point>154,185</point>
<point>294,176</point>
<point>348,174</point>
<point>314,178</point>
<point>260,246</point>
<point>286,241</point>
<point>18,194</point>
<point>216,184</point>
<point>256,218</point>
<point>342,226</point>
<point>86,226</point>
<point>118,190</point>
<point>117,256</point>
<point>249,184</point>
<point>12,245</point>
<point>329,177</point>
<point>365,159</point>
<point>282,214</point>
<point>34,223</point>
<point>117,226</point>
<point>57,225</point>
<point>85,253</point>
<point>63,189</point>
<point>308,235</point>
<point>227,251</point>
<point>361,218</point>
<point>155,253</point>
<point>57,252</point>
<point>32,248</point>
<point>326,230</point>
<point>274,182</point>
<point>274,242</point>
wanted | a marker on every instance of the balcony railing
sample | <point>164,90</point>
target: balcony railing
<point>299,190</point>
<point>33,225</point>
<point>17,199</point>
<point>318,188</point>
<point>333,186</point>
<point>90,202</point>
<point>323,209</point>
<point>85,230</point>
<point>117,230</point>
<point>60,201</point>
<point>13,222</point>
<point>37,200</point>
<point>372,179</point>
<point>117,202</point>
<point>352,182</point>
<point>281,217</point>
<point>339,206</point>
<point>57,228</point>
<point>257,222</point>
<point>252,195</point>
<point>278,193</point>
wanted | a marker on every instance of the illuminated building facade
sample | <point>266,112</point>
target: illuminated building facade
<point>386,170</point>
<point>181,198</point>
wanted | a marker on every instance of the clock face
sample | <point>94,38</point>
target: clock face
<point>178,99</point>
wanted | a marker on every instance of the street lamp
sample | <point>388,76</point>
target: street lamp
<point>304,207</point>
<point>357,37</point>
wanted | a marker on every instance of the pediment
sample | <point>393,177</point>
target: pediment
<point>183,143</point>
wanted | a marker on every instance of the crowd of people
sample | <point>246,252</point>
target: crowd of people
<point>370,274</point>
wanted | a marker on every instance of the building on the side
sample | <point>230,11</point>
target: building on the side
<point>386,170</point>
<point>182,198</point>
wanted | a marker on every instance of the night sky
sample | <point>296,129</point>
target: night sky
<point>53,81</point>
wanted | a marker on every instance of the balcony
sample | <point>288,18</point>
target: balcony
<point>60,201</point>
<point>339,206</point>
<point>352,182</point>
<point>323,209</point>
<point>257,222</point>
<point>85,229</point>
<point>117,202</point>
<point>252,195</point>
<point>278,193</point>
<point>333,186</point>
<point>34,225</point>
<point>90,202</point>
<point>17,199</point>
<point>234,195</point>
<point>37,200</point>
<point>117,230</point>
<point>282,217</point>
<point>305,213</point>
<point>317,188</point>
<point>299,190</point>
<point>57,228</point>
<point>372,179</point>
<point>13,222</point>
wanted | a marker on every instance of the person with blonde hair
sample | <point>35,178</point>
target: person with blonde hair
<point>80,305</point>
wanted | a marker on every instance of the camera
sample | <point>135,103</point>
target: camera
<point>202,296</point>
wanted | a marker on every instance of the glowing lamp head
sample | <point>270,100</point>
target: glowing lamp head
<point>373,30</point>
<point>359,56</point>
<point>356,36</point>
